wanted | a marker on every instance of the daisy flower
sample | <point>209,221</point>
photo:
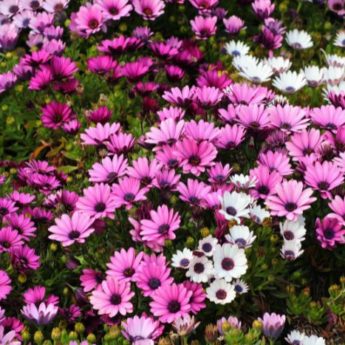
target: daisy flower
<point>5,285</point>
<point>221,292</point>
<point>198,297</point>
<point>339,40</point>
<point>289,82</point>
<point>293,230</point>
<point>235,205</point>
<point>313,75</point>
<point>90,279</point>
<point>9,239</point>
<point>329,232</point>
<point>200,270</point>
<point>241,236</point>
<point>112,298</point>
<point>9,338</point>
<point>69,230</point>
<point>240,286</point>
<point>313,340</point>
<point>149,9</point>
<point>236,48</point>
<point>170,302</point>
<point>291,250</point>
<point>182,259</point>
<point>229,262</point>
<point>298,39</point>
<point>207,245</point>
<point>194,192</point>
<point>295,337</point>
<point>272,325</point>
<point>42,314</point>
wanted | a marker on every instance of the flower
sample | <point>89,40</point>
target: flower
<point>115,9</point>
<point>291,250</point>
<point>229,262</point>
<point>90,279</point>
<point>204,27</point>
<point>69,230</point>
<point>289,82</point>
<point>293,230</point>
<point>295,338</point>
<point>185,325</point>
<point>55,114</point>
<point>169,132</point>
<point>207,245</point>
<point>273,325</point>
<point>240,286</point>
<point>112,297</point>
<point>170,302</point>
<point>5,285</point>
<point>299,39</point>
<point>236,48</point>
<point>235,205</point>
<point>313,340</point>
<point>149,9</point>
<point>339,40</point>
<point>200,270</point>
<point>193,192</point>
<point>42,314</point>
<point>8,338</point>
<point>9,239</point>
<point>182,259</point>
<point>290,199</point>
<point>241,236</point>
<point>329,232</point>
<point>221,292</point>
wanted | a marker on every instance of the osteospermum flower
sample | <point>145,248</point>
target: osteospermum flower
<point>273,325</point>
<point>69,230</point>
<point>293,230</point>
<point>235,205</point>
<point>193,192</point>
<point>290,199</point>
<point>182,259</point>
<point>329,232</point>
<point>8,338</point>
<point>97,202</point>
<point>42,314</point>
<point>5,285</point>
<point>170,302</point>
<point>236,48</point>
<point>115,9</point>
<point>112,298</point>
<point>289,82</point>
<point>229,262</point>
<point>24,258</point>
<point>149,9</point>
<point>123,264</point>
<point>200,270</point>
<point>204,27</point>
<point>291,250</point>
<point>299,39</point>
<point>328,117</point>
<point>9,239</point>
<point>90,279</point>
<point>55,114</point>
<point>221,292</point>
<point>169,132</point>
<point>144,170</point>
<point>241,236</point>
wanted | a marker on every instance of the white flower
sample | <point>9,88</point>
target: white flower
<point>339,40</point>
<point>244,61</point>
<point>289,82</point>
<point>295,338</point>
<point>259,73</point>
<point>279,99</point>
<point>291,250</point>
<point>313,75</point>
<point>279,64</point>
<point>229,262</point>
<point>298,39</point>
<point>333,74</point>
<point>182,259</point>
<point>240,286</point>
<point>240,235</point>
<point>200,270</point>
<point>258,214</point>
<point>185,325</point>
<point>235,205</point>
<point>293,231</point>
<point>313,340</point>
<point>335,60</point>
<point>236,48</point>
<point>221,292</point>
<point>207,245</point>
<point>243,181</point>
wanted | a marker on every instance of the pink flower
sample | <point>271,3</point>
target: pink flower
<point>37,295</point>
<point>97,202</point>
<point>5,285</point>
<point>24,258</point>
<point>144,170</point>
<point>204,27</point>
<point>90,279</point>
<point>337,205</point>
<point>169,132</point>
<point>19,222</point>
<point>98,135</point>
<point>69,230</point>
<point>198,297</point>
<point>55,114</point>
<point>112,297</point>
<point>290,200</point>
<point>115,9</point>
<point>194,192</point>
<point>233,24</point>
<point>273,325</point>
<point>266,181</point>
<point>263,8</point>
<point>276,161</point>
<point>180,97</point>
<point>123,264</point>
<point>42,314</point>
<point>149,9</point>
<point>329,232</point>
<point>253,116</point>
<point>328,117</point>
<point>201,130</point>
<point>170,302</point>
<point>230,136</point>
<point>208,96</point>
<point>9,239</point>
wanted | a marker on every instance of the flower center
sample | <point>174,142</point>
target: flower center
<point>13,9</point>
<point>3,211</point>
<point>163,229</point>
<point>93,23</point>
<point>5,244</point>
<point>115,299</point>
<point>241,242</point>
<point>228,264</point>
<point>290,206</point>
<point>100,207</point>
<point>113,10</point>
<point>207,247</point>
<point>184,262</point>
<point>111,178</point>
<point>194,160</point>
<point>290,89</point>
<point>129,197</point>
<point>199,268</point>
<point>174,306</point>
<point>128,272</point>
<point>238,288</point>
<point>148,11</point>
<point>323,185</point>
<point>74,234</point>
<point>231,211</point>
<point>34,4</point>
<point>154,283</point>
<point>289,235</point>
<point>193,200</point>
<point>263,190</point>
<point>329,234</point>
<point>221,294</point>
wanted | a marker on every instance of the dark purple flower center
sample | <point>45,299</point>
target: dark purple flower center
<point>148,11</point>
<point>227,264</point>
<point>323,185</point>
<point>112,177</point>
<point>290,89</point>
<point>184,262</point>
<point>154,283</point>
<point>100,207</point>
<point>172,162</point>
<point>221,294</point>
<point>194,160</point>
<point>241,242</point>
<point>98,277</point>
<point>128,272</point>
<point>308,151</point>
<point>93,23</point>
<point>207,247</point>
<point>285,125</point>
<point>74,234</point>
<point>263,190</point>
<point>290,206</point>
<point>231,211</point>
<point>113,10</point>
<point>13,9</point>
<point>34,4</point>
<point>5,244</point>
<point>199,267</point>
<point>289,235</point>
<point>331,126</point>
<point>163,229</point>
<point>328,233</point>
<point>174,306</point>
<point>193,200</point>
<point>58,7</point>
<point>146,180</point>
<point>115,299</point>
<point>129,197</point>
<point>3,211</point>
<point>289,255</point>
<point>57,117</point>
<point>238,288</point>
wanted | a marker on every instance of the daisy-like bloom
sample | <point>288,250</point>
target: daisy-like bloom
<point>241,236</point>
<point>258,214</point>
<point>201,130</point>
<point>230,136</point>
<point>293,231</point>
<point>198,297</point>
<point>90,279</point>
<point>37,294</point>
<point>289,82</point>
<point>337,205</point>
<point>290,199</point>
<point>236,48</point>
<point>115,9</point>
<point>263,8</point>
<point>258,73</point>
<point>288,118</point>
<point>149,9</point>
<point>112,298</point>
<point>184,326</point>
<point>219,174</point>
<point>7,206</point>
<point>19,222</point>
<point>208,96</point>
<point>69,230</point>
<point>333,75</point>
<point>9,239</point>
<point>207,245</point>
<point>162,225</point>
<point>109,169</point>
<point>200,270</point>
<point>24,258</point>
<point>323,177</point>
<point>204,5</point>
<point>233,24</point>
<point>5,285</point>
<point>141,330</point>
<point>182,259</point>
<point>242,182</point>
<point>204,27</point>
<point>233,321</point>
<point>221,292</point>
<point>328,117</point>
<point>170,302</point>
<point>313,75</point>
<point>240,286</point>
<point>127,192</point>
<point>97,202</point>
<point>298,39</point>
<point>123,264</point>
<point>171,112</point>
<point>291,250</point>
<point>235,205</point>
<point>180,97</point>
<point>229,262</point>
<point>272,325</point>
<point>144,170</point>
<point>9,338</point>
<point>101,65</point>
<point>279,64</point>
<point>194,192</point>
<point>96,136</point>
<point>55,114</point>
<point>313,340</point>
<point>152,274</point>
<point>329,232</point>
<point>254,116</point>
<point>42,314</point>
<point>120,143</point>
<point>339,40</point>
<point>295,338</point>
<point>195,158</point>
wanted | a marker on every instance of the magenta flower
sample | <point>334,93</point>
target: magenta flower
<point>204,27</point>
<point>69,230</point>
<point>123,264</point>
<point>208,96</point>
<point>194,192</point>
<point>144,170</point>
<point>233,24</point>
<point>101,65</point>
<point>19,222</point>
<point>273,325</point>
<point>169,132</point>
<point>170,302</point>
<point>276,161</point>
<point>198,297</point>
<point>9,338</point>
<point>97,201</point>
<point>112,298</point>
<point>263,8</point>
<point>337,205</point>
<point>42,314</point>
<point>120,143</point>
<point>266,181</point>
<point>98,135</point>
<point>90,279</point>
<point>5,285</point>
<point>7,206</point>
<point>101,115</point>
<point>201,130</point>
<point>149,9</point>
<point>171,112</point>
<point>115,9</point>
<point>24,258</point>
<point>290,199</point>
<point>329,232</point>
<point>241,93</point>
<point>328,117</point>
<point>180,97</point>
<point>230,136</point>
<point>253,116</point>
<point>55,114</point>
<point>9,239</point>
